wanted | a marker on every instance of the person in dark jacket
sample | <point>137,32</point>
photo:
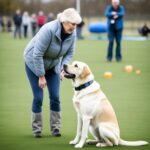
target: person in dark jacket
<point>9,24</point>
<point>144,31</point>
<point>45,55</point>
<point>17,22</point>
<point>115,13</point>
<point>2,24</point>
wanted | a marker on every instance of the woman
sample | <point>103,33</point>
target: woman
<point>25,23</point>
<point>45,55</point>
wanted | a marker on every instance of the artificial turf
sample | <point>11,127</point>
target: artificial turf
<point>128,93</point>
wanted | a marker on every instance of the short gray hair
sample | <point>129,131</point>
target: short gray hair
<point>118,1</point>
<point>69,15</point>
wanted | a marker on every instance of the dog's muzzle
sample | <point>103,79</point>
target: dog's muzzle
<point>67,74</point>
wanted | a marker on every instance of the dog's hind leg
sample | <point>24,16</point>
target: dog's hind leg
<point>107,135</point>
<point>95,134</point>
<point>103,145</point>
<point>106,143</point>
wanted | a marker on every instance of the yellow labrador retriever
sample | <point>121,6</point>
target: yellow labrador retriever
<point>95,113</point>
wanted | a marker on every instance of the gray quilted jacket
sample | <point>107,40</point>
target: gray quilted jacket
<point>46,50</point>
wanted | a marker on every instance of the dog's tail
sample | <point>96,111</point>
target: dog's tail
<point>132,143</point>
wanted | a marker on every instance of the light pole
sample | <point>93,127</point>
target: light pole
<point>78,6</point>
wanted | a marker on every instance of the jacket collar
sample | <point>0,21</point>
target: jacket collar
<point>58,31</point>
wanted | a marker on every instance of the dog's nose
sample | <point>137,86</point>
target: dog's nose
<point>64,66</point>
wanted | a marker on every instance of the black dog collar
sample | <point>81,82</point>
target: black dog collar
<point>83,86</point>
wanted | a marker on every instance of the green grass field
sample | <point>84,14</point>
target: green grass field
<point>128,93</point>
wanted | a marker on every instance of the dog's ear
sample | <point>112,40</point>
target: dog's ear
<point>86,71</point>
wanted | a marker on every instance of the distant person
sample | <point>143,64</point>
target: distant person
<point>115,13</point>
<point>41,19</point>
<point>17,22</point>
<point>2,24</point>
<point>144,31</point>
<point>51,48</point>
<point>50,17</point>
<point>33,24</point>
<point>79,30</point>
<point>9,24</point>
<point>25,23</point>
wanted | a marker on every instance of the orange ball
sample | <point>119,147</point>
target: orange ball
<point>138,71</point>
<point>107,75</point>
<point>128,68</point>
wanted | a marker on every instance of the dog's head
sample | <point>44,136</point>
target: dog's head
<point>78,71</point>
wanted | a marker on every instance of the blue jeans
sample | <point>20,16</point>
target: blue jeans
<point>114,34</point>
<point>53,84</point>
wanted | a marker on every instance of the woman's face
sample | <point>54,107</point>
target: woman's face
<point>69,27</point>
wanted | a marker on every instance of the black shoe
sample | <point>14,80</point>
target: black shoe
<point>109,60</point>
<point>38,135</point>
<point>56,133</point>
<point>118,59</point>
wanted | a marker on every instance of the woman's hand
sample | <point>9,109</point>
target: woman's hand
<point>42,82</point>
<point>62,75</point>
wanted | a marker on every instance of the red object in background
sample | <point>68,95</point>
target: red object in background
<point>41,20</point>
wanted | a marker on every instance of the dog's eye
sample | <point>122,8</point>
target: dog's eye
<point>76,65</point>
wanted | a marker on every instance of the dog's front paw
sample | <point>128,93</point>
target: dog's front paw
<point>73,142</point>
<point>78,145</point>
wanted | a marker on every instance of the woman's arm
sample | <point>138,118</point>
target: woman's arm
<point>108,12</point>
<point>121,11</point>
<point>43,39</point>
